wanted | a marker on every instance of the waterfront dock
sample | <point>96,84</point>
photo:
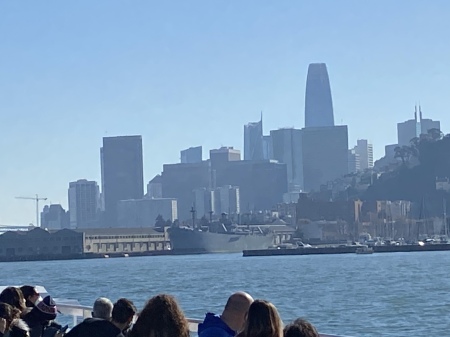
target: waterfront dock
<point>346,250</point>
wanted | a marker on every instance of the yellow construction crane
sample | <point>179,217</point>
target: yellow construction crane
<point>36,199</point>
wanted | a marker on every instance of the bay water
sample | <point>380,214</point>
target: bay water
<point>391,294</point>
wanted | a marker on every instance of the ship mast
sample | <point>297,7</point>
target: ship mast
<point>445,217</point>
<point>193,216</point>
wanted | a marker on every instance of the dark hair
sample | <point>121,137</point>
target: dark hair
<point>161,317</point>
<point>14,297</point>
<point>300,328</point>
<point>9,313</point>
<point>123,310</point>
<point>28,291</point>
<point>263,320</point>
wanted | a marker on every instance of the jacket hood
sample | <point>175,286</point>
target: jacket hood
<point>213,321</point>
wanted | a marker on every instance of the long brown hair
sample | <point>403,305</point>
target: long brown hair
<point>263,320</point>
<point>161,317</point>
<point>13,296</point>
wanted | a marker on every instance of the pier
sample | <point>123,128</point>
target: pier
<point>346,250</point>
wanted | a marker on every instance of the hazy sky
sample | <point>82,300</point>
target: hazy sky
<point>187,73</point>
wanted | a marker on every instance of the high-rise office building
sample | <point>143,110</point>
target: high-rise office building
<point>364,150</point>
<point>224,155</point>
<point>191,155</point>
<point>318,101</point>
<point>144,212</point>
<point>229,199</point>
<point>154,188</point>
<point>267,148</point>
<point>253,141</point>
<point>54,217</point>
<point>261,183</point>
<point>180,180</point>
<point>204,202</point>
<point>353,161</point>
<point>84,204</point>
<point>122,170</point>
<point>413,128</point>
<point>324,154</point>
<point>287,149</point>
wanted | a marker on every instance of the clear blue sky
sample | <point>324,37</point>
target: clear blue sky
<point>186,73</point>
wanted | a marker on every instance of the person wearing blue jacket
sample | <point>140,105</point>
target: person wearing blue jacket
<point>232,320</point>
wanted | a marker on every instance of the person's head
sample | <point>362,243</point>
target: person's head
<point>46,309</point>
<point>8,313</point>
<point>123,313</point>
<point>236,310</point>
<point>102,308</point>
<point>300,328</point>
<point>13,296</point>
<point>263,320</point>
<point>30,294</point>
<point>162,317</point>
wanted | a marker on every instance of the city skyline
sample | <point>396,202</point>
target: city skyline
<point>166,69</point>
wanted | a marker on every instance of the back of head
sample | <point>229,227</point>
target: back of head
<point>236,310</point>
<point>123,311</point>
<point>8,313</point>
<point>13,296</point>
<point>27,291</point>
<point>300,328</point>
<point>102,308</point>
<point>162,317</point>
<point>263,320</point>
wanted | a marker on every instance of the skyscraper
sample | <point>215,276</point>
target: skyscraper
<point>122,170</point>
<point>84,204</point>
<point>364,150</point>
<point>415,127</point>
<point>287,149</point>
<point>191,155</point>
<point>324,154</point>
<point>318,102</point>
<point>253,141</point>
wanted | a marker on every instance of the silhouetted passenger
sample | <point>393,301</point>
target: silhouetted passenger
<point>263,320</point>
<point>121,318</point>
<point>40,318</point>
<point>13,296</point>
<point>102,308</point>
<point>300,328</point>
<point>232,319</point>
<point>161,317</point>
<point>10,323</point>
<point>31,295</point>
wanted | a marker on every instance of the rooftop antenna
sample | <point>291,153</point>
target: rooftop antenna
<point>420,112</point>
<point>415,111</point>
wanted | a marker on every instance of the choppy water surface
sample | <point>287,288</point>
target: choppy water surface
<point>400,294</point>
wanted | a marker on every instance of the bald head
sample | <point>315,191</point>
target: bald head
<point>236,310</point>
<point>239,302</point>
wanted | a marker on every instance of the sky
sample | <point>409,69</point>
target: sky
<point>188,73</point>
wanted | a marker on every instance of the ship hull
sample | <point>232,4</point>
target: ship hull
<point>184,240</point>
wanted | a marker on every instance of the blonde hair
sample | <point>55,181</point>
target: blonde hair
<point>263,320</point>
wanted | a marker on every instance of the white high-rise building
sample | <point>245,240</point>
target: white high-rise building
<point>84,204</point>
<point>364,150</point>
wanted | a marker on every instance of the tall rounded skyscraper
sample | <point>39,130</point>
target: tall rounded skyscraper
<point>318,101</point>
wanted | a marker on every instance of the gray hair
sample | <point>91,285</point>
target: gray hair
<point>102,308</point>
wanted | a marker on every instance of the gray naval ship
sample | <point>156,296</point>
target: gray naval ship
<point>219,237</point>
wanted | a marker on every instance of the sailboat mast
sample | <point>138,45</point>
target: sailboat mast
<point>445,216</point>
